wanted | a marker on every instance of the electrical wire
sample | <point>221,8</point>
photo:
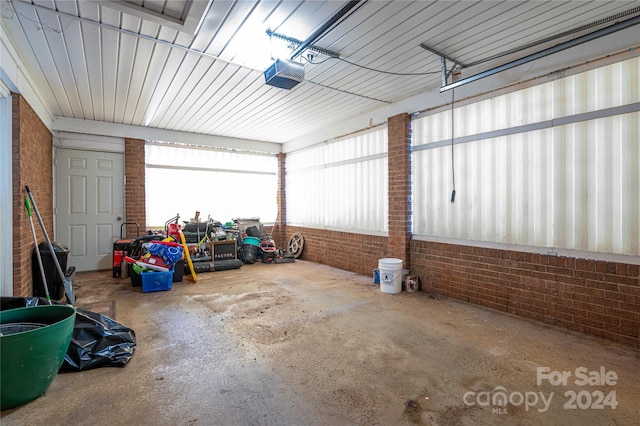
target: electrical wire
<point>368,68</point>
<point>310,61</point>
<point>453,170</point>
<point>386,72</point>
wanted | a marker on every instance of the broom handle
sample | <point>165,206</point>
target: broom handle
<point>46,236</point>
<point>35,241</point>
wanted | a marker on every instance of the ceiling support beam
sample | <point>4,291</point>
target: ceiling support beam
<point>442,55</point>
<point>443,63</point>
<point>324,28</point>
<point>546,52</point>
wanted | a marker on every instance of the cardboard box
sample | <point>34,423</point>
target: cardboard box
<point>244,223</point>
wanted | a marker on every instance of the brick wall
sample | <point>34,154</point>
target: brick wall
<point>280,231</point>
<point>32,153</point>
<point>134,187</point>
<point>352,252</point>
<point>399,187</point>
<point>593,297</point>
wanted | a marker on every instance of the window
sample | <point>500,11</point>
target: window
<point>222,184</point>
<point>340,185</point>
<point>555,165</point>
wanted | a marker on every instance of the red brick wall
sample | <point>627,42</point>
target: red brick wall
<point>32,154</point>
<point>134,187</point>
<point>399,164</point>
<point>352,252</point>
<point>280,231</point>
<point>594,297</point>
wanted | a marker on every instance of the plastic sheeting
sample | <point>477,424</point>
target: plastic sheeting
<point>98,341</point>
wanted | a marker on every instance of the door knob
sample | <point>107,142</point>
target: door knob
<point>119,217</point>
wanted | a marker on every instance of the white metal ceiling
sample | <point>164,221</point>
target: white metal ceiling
<point>196,66</point>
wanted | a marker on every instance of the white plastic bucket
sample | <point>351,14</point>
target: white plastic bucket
<point>390,275</point>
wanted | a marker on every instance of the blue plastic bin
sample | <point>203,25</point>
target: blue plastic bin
<point>156,281</point>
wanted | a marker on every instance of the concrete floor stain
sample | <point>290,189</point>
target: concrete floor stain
<point>305,344</point>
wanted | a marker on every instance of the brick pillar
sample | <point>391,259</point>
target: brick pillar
<point>32,153</point>
<point>281,225</point>
<point>134,186</point>
<point>399,155</point>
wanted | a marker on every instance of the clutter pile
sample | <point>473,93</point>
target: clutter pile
<point>200,246</point>
<point>160,264</point>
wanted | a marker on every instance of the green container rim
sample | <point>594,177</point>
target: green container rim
<point>252,241</point>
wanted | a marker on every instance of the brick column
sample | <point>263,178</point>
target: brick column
<point>32,153</point>
<point>399,181</point>
<point>281,225</point>
<point>135,209</point>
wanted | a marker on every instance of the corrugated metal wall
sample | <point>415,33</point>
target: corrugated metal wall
<point>555,165</point>
<point>340,185</point>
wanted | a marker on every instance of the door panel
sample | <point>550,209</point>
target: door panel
<point>89,203</point>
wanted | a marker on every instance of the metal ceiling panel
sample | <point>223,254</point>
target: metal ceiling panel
<point>181,15</point>
<point>196,66</point>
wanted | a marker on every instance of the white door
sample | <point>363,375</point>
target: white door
<point>89,206</point>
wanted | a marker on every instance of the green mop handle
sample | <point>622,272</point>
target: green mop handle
<point>28,206</point>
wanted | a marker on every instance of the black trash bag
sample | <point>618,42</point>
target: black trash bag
<point>7,303</point>
<point>254,231</point>
<point>249,253</point>
<point>98,341</point>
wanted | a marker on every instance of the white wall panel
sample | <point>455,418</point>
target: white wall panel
<point>340,185</point>
<point>573,186</point>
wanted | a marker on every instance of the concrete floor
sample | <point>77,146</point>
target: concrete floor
<point>305,344</point>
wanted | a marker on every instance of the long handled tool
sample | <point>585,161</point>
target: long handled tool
<point>186,252</point>
<point>198,225</point>
<point>68,286</point>
<point>35,241</point>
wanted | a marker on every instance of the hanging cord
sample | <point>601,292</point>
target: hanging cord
<point>386,72</point>
<point>453,170</point>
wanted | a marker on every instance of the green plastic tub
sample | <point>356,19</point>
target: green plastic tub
<point>33,344</point>
<point>252,241</point>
